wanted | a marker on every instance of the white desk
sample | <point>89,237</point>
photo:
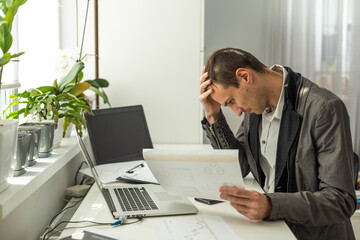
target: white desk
<point>94,208</point>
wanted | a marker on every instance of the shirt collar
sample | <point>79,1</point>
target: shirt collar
<point>279,107</point>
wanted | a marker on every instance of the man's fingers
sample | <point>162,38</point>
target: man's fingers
<point>203,77</point>
<point>240,208</point>
<point>236,199</point>
<point>252,204</point>
<point>234,191</point>
<point>204,95</point>
<point>204,85</point>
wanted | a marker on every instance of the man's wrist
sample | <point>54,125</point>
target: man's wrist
<point>212,119</point>
<point>269,207</point>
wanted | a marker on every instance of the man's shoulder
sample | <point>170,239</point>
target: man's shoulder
<point>318,95</point>
<point>317,99</point>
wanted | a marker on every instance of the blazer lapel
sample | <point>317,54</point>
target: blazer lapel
<point>254,146</point>
<point>289,126</point>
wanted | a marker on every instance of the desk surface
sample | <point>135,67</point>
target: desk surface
<point>94,208</point>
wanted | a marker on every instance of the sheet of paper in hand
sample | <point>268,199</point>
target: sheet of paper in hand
<point>195,173</point>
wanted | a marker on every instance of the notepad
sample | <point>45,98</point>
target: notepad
<point>117,172</point>
<point>139,175</point>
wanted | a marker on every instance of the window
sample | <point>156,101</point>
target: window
<point>9,81</point>
<point>35,32</point>
<point>336,34</point>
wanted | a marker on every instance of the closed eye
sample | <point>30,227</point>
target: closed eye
<point>231,101</point>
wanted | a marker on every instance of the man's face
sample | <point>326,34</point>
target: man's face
<point>246,98</point>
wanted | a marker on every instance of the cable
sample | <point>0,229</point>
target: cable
<point>77,172</point>
<point>67,222</point>
<point>54,230</point>
<point>65,210</point>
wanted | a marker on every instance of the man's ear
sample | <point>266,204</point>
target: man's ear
<point>243,74</point>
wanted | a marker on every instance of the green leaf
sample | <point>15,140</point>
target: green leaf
<point>65,126</point>
<point>98,83</point>
<point>26,112</point>
<point>5,59</point>
<point>47,89</point>
<point>72,96</point>
<point>68,88</point>
<point>55,85</point>
<point>13,96</point>
<point>35,92</point>
<point>101,94</point>
<point>14,103</point>
<point>75,70</point>
<point>80,76</point>
<point>6,38</point>
<point>17,54</point>
<point>15,114</point>
<point>12,10</point>
<point>3,6</point>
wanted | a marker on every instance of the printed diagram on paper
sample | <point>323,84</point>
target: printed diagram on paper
<point>193,228</point>
<point>195,173</point>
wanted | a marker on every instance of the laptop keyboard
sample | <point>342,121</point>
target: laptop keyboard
<point>134,199</point>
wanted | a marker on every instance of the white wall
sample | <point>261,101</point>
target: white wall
<point>234,23</point>
<point>150,53</point>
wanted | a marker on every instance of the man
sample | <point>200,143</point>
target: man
<point>295,140</point>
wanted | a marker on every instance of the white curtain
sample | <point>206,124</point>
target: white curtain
<point>320,39</point>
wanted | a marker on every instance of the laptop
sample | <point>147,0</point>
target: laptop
<point>130,199</point>
<point>118,134</point>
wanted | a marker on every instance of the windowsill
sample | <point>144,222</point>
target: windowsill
<point>23,186</point>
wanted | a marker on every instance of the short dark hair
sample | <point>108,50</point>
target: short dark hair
<point>222,64</point>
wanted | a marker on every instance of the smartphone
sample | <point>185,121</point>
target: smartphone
<point>207,201</point>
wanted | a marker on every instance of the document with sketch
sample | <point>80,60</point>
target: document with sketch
<point>195,173</point>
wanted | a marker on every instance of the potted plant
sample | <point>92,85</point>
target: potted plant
<point>8,128</point>
<point>65,99</point>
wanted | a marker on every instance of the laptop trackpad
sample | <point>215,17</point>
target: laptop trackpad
<point>164,196</point>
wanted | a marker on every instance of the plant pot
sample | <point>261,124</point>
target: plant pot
<point>57,132</point>
<point>46,138</point>
<point>69,130</point>
<point>22,153</point>
<point>8,141</point>
<point>34,143</point>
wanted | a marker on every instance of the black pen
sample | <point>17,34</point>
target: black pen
<point>131,170</point>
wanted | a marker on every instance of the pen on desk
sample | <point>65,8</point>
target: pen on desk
<point>131,170</point>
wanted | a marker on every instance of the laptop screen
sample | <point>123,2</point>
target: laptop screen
<point>118,134</point>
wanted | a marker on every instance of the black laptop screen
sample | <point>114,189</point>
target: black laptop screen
<point>118,134</point>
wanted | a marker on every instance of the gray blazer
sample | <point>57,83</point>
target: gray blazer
<point>314,186</point>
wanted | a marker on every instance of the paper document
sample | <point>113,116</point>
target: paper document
<point>114,171</point>
<point>195,173</point>
<point>193,227</point>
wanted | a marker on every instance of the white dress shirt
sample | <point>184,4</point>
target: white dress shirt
<point>268,135</point>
